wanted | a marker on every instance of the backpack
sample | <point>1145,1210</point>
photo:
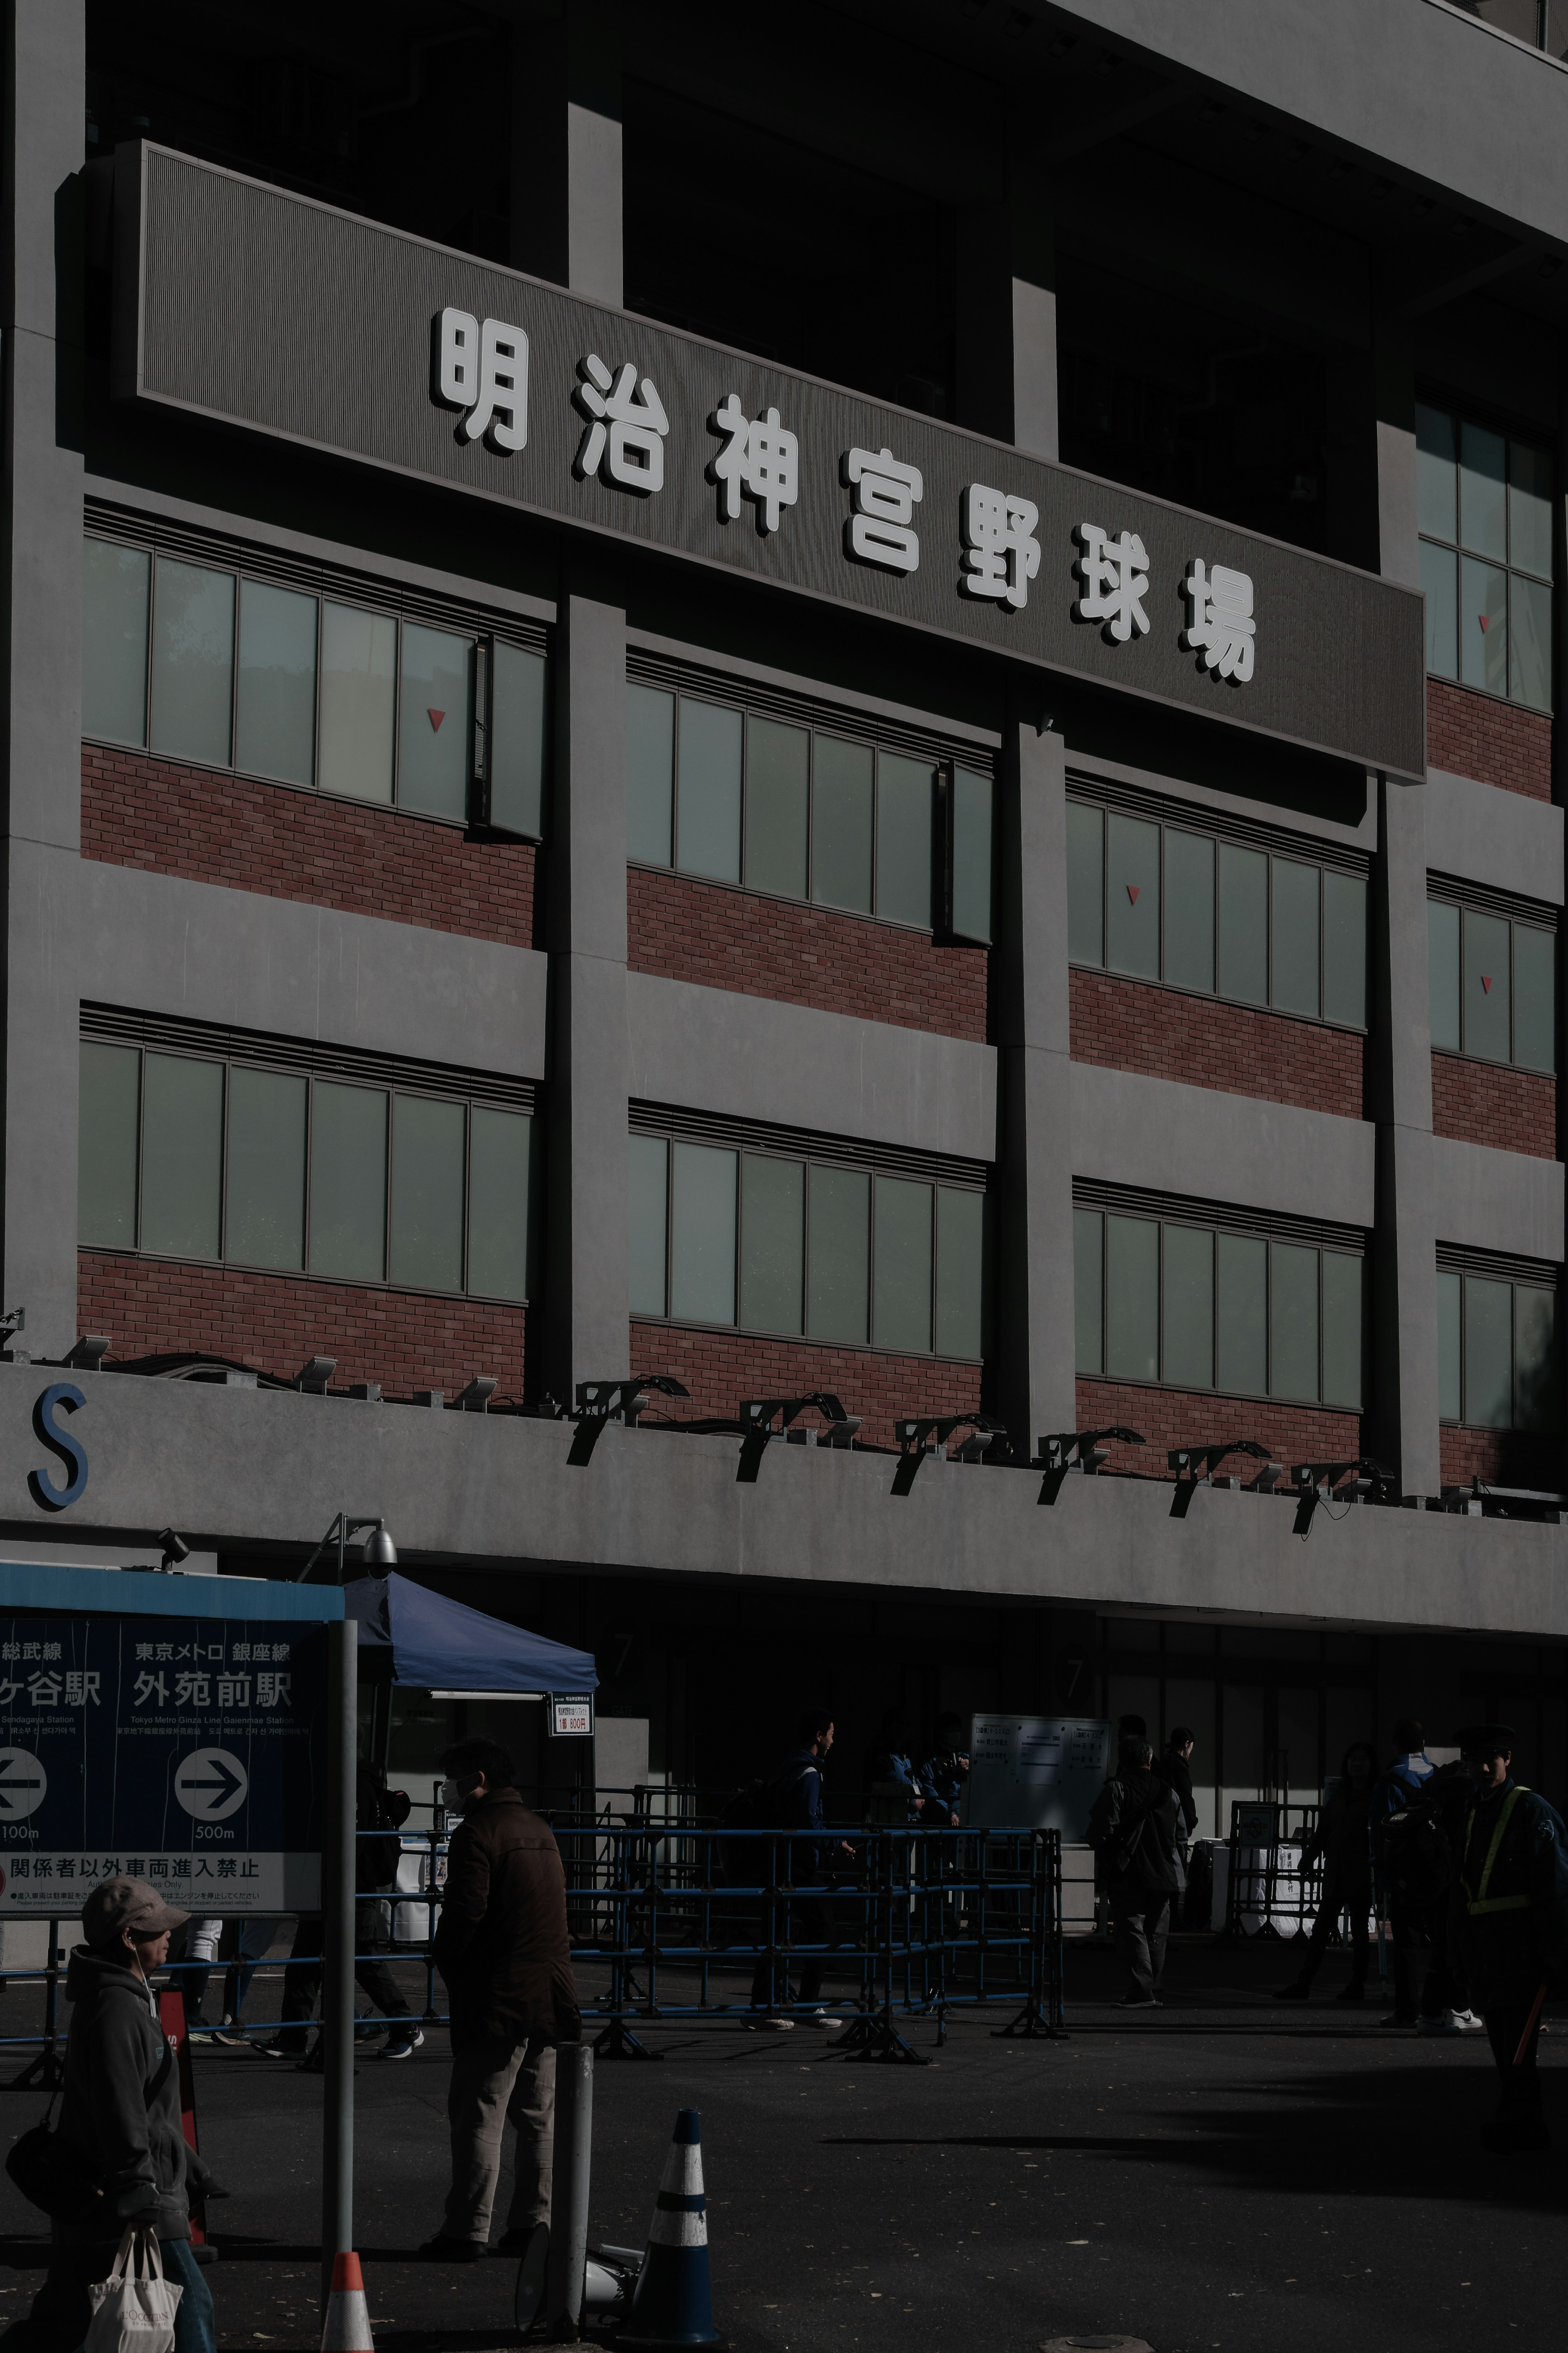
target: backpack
<point>1418,1865</point>
<point>379,1857</point>
<point>753,1808</point>
<point>53,2174</point>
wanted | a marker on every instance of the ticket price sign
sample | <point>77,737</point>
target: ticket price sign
<point>571,1718</point>
<point>187,1752</point>
<point>1038,1772</point>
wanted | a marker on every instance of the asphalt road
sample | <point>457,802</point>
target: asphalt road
<point>1221,2173</point>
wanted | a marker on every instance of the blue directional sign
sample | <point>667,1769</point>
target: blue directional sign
<point>186,1751</point>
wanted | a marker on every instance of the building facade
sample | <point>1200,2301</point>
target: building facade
<point>862,711</point>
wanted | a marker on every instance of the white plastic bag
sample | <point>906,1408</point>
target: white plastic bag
<point>133,2309</point>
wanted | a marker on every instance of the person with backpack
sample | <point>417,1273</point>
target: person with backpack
<point>795,1800</point>
<point>1410,1917</point>
<point>1343,1838</point>
<point>380,1812</point>
<point>1132,1829</point>
<point>1508,1910</point>
<point>945,1774</point>
<point>119,2159</point>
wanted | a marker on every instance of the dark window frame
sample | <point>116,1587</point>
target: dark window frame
<point>1460,413</point>
<point>1441,894</point>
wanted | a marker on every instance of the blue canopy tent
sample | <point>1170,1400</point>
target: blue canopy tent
<point>410,1635</point>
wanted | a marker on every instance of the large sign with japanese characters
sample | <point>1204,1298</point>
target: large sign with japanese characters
<point>254,306</point>
<point>185,1751</point>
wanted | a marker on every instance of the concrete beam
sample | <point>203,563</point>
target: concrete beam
<point>1482,834</point>
<point>741,1057</point>
<point>200,951</point>
<point>1485,1199</point>
<point>1127,1129</point>
<point>465,1488</point>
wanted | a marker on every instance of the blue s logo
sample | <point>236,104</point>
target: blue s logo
<point>44,1493</point>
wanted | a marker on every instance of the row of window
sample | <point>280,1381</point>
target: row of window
<point>1192,1308</point>
<point>191,1157</point>
<point>806,1249</point>
<point>1484,513</point>
<point>733,797</point>
<point>1160,903</point>
<point>1493,986</point>
<point>1496,1352</point>
<point>212,666</point>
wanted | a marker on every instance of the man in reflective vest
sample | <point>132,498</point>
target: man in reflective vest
<point>1511,1921</point>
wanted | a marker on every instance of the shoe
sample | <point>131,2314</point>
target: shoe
<point>1138,2001</point>
<point>232,2033</point>
<point>402,2042</point>
<point>1398,2018</point>
<point>1294,1991</point>
<point>770,2025</point>
<point>1468,2024</point>
<point>515,2243</point>
<point>1444,2024</point>
<point>1352,1992</point>
<point>816,2018</point>
<point>443,2249</point>
<point>281,2046</point>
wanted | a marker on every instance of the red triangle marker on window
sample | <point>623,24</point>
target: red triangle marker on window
<point>1482,619</point>
<point>1487,982</point>
<point>436,717</point>
<point>1133,891</point>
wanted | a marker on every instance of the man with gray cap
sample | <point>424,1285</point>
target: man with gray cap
<point>120,2123</point>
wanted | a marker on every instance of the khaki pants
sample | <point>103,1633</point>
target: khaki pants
<point>496,2083</point>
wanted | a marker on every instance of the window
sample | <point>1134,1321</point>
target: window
<point>810,1248</point>
<point>1493,985</point>
<point>209,665</point>
<point>734,795</point>
<point>1171,1300</point>
<point>1484,510</point>
<point>213,1155</point>
<point>1162,901</point>
<point>1497,1347</point>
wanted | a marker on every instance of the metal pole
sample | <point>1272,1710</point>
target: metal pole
<point>569,2192</point>
<point>338,1872</point>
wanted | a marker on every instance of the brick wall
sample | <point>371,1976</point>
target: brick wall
<point>1136,1025</point>
<point>1167,1418</point>
<point>404,1339</point>
<point>287,844</point>
<point>719,1368</point>
<point>1503,1457</point>
<point>724,938</point>
<point>1486,1102</point>
<point>1472,735</point>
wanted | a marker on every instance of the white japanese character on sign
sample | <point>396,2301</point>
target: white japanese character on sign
<point>1115,576</point>
<point>1003,556</point>
<point>626,427</point>
<point>484,369</point>
<point>1222,626</point>
<point>886,495</point>
<point>760,457</point>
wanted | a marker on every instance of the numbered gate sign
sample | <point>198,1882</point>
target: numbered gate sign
<point>190,1752</point>
<point>571,1718</point>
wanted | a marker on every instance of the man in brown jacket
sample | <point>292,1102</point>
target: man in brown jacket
<point>501,1948</point>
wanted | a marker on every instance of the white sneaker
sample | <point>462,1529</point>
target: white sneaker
<point>1468,2022</point>
<point>818,2018</point>
<point>770,2025</point>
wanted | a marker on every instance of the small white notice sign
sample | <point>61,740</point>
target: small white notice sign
<point>571,1718</point>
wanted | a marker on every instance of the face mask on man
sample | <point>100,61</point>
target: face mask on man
<point>453,1793</point>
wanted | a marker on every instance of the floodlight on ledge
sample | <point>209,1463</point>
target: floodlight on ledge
<point>313,1375</point>
<point>760,1416</point>
<point>1078,1449</point>
<point>925,1434</point>
<point>476,1397</point>
<point>89,1353</point>
<point>1318,1482</point>
<point>601,1402</point>
<point>1194,1467</point>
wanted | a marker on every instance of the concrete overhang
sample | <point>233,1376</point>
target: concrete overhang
<point>260,1471</point>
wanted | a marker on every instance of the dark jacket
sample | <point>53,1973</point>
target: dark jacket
<point>944,1777</point>
<point>1133,1826</point>
<point>796,1789</point>
<point>1343,1839</point>
<point>1510,1898</point>
<point>1177,1773</point>
<point>502,1944</point>
<point>1406,1778</point>
<point>120,2107</point>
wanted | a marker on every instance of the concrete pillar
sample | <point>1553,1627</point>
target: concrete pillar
<point>40,657</point>
<point>1394,401</point>
<point>1034,1387</point>
<point>566,148</point>
<point>1401,1427</point>
<point>1007,313</point>
<point>585,1271</point>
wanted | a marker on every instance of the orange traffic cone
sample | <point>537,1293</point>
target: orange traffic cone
<point>347,2329</point>
<point>672,2304</point>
